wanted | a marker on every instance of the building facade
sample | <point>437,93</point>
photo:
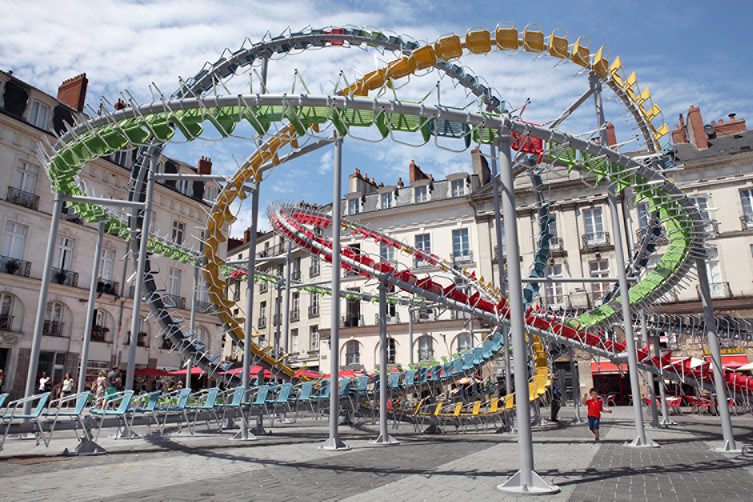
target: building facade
<point>26,115</point>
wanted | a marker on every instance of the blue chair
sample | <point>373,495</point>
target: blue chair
<point>3,398</point>
<point>322,396</point>
<point>237,398</point>
<point>204,401</point>
<point>305,397</point>
<point>15,412</point>
<point>259,404</point>
<point>282,400</point>
<point>76,413</point>
<point>178,408</point>
<point>146,405</point>
<point>344,391</point>
<point>115,405</point>
<point>409,380</point>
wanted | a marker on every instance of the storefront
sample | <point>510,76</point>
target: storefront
<point>610,379</point>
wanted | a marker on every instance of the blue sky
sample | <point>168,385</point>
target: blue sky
<point>685,51</point>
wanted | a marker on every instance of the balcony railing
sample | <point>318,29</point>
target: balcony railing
<point>99,333</point>
<point>351,321</point>
<point>275,250</point>
<point>261,323</point>
<point>314,271</point>
<point>15,266</point>
<point>747,221</point>
<point>295,315</point>
<point>65,277</point>
<point>464,258</point>
<point>203,307</point>
<point>6,322</point>
<point>555,244</point>
<point>295,275</point>
<point>718,290</point>
<point>391,319</point>
<point>52,328</point>
<point>313,311</point>
<point>21,198</point>
<point>419,263</point>
<point>263,287</point>
<point>108,287</point>
<point>174,301</point>
<point>595,240</point>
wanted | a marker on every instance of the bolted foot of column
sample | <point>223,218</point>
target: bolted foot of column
<point>637,443</point>
<point>85,446</point>
<point>384,441</point>
<point>432,429</point>
<point>334,444</point>
<point>124,433</point>
<point>230,423</point>
<point>728,447</point>
<point>244,434</point>
<point>666,423</point>
<point>537,486</point>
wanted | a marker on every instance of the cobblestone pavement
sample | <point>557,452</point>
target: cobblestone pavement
<point>287,465</point>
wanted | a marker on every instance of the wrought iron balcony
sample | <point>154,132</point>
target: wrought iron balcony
<point>6,322</point>
<point>465,258</point>
<point>747,221</point>
<point>99,333</point>
<point>203,307</point>
<point>65,277</point>
<point>21,198</point>
<point>313,311</point>
<point>174,301</point>
<point>314,271</point>
<point>351,321</point>
<point>391,319</point>
<point>295,275</point>
<point>261,323</point>
<point>275,250</point>
<point>295,315</point>
<point>108,287</point>
<point>15,266</point>
<point>595,240</point>
<point>52,328</point>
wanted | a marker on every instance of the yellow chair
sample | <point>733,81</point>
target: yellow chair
<point>533,40</point>
<point>448,47</point>
<point>506,37</point>
<point>478,42</point>
<point>615,71</point>
<point>401,68</point>
<point>629,85</point>
<point>424,57</point>
<point>658,133</point>
<point>580,53</point>
<point>509,401</point>
<point>374,79</point>
<point>651,113</point>
<point>600,64</point>
<point>558,45</point>
<point>644,96</point>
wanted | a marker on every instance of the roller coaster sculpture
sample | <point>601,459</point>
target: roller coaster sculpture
<point>287,126</point>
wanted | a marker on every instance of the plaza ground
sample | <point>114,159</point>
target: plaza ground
<point>287,465</point>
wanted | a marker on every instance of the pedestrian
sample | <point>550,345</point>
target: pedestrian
<point>113,377</point>
<point>100,385</point>
<point>67,388</point>
<point>595,408</point>
<point>556,402</point>
<point>44,382</point>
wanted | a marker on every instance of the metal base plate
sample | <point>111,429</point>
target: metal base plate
<point>85,446</point>
<point>537,486</point>
<point>727,448</point>
<point>637,443</point>
<point>384,440</point>
<point>334,444</point>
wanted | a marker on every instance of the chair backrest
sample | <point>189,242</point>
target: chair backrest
<point>324,391</point>
<point>306,388</point>
<point>238,394</point>
<point>3,397</point>
<point>284,394</point>
<point>125,402</point>
<point>183,396</point>
<point>393,382</point>
<point>81,401</point>
<point>363,384</point>
<point>261,394</point>
<point>345,386</point>
<point>151,405</point>
<point>410,377</point>
<point>212,393</point>
<point>422,374</point>
<point>41,403</point>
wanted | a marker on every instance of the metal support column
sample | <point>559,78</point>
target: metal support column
<point>575,379</point>
<point>648,376</point>
<point>90,308</point>
<point>525,481</point>
<point>244,434</point>
<point>619,252</point>
<point>410,333</point>
<point>384,438</point>
<point>729,446</point>
<point>192,320</point>
<point>333,442</point>
<point>44,289</point>
<point>286,306</point>
<point>665,421</point>
<point>139,276</point>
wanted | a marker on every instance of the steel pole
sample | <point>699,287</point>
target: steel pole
<point>44,289</point>
<point>648,376</point>
<point>139,277</point>
<point>384,438</point>
<point>286,312</point>
<point>627,317</point>
<point>192,320</point>
<point>729,446</point>
<point>333,442</point>
<point>575,379</point>
<point>90,308</point>
<point>665,421</point>
<point>525,480</point>
<point>410,334</point>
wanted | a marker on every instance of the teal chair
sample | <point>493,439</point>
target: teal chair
<point>63,409</point>
<point>14,413</point>
<point>116,405</point>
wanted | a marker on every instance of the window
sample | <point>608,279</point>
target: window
<point>314,305</point>
<point>423,242</point>
<point>54,317</point>
<point>594,226</point>
<point>262,315</point>
<point>25,177</point>
<point>294,340</point>
<point>599,268</point>
<point>386,252</point>
<point>6,312</point>
<point>461,247</point>
<point>15,240</point>
<point>457,188</point>
<point>555,291</point>
<point>391,351</point>
<point>386,200</point>
<point>352,352</point>
<point>746,197</point>
<point>173,281</point>
<point>353,206</point>
<point>714,273</point>
<point>101,327</point>
<point>425,348</point>
<point>554,240</point>
<point>64,249</point>
<point>210,193</point>
<point>314,337</point>
<point>183,187</point>
<point>38,114</point>
<point>421,194</point>
<point>464,342</point>
<point>178,231</point>
<point>107,264</point>
<point>295,273</point>
<point>295,306</point>
<point>314,267</point>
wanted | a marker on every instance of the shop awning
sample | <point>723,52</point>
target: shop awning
<point>732,361</point>
<point>253,371</point>
<point>150,372</point>
<point>607,368</point>
<point>195,371</point>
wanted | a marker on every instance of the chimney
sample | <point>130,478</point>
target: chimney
<point>733,126</point>
<point>400,183</point>
<point>480,166</point>
<point>611,135</point>
<point>204,166</point>
<point>696,134</point>
<point>72,92</point>
<point>246,235</point>
<point>415,173</point>
<point>679,135</point>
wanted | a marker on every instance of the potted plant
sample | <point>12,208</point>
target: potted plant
<point>60,276</point>
<point>12,266</point>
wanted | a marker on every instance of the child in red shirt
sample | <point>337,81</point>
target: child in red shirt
<point>595,408</point>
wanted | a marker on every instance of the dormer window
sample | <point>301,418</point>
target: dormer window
<point>386,200</point>
<point>38,114</point>
<point>457,188</point>
<point>421,194</point>
<point>353,206</point>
